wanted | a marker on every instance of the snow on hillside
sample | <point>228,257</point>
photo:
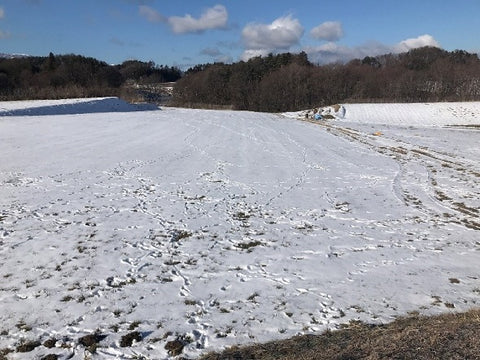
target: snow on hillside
<point>417,114</point>
<point>421,114</point>
<point>138,233</point>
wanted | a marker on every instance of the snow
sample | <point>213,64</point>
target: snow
<point>223,227</point>
<point>69,106</point>
<point>417,114</point>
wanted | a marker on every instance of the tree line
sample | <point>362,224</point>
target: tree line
<point>68,76</point>
<point>283,82</point>
<point>288,82</point>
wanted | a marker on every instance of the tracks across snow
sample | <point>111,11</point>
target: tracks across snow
<point>212,228</point>
<point>426,174</point>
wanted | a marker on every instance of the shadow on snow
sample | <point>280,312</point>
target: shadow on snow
<point>103,105</point>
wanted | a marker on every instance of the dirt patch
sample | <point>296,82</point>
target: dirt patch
<point>451,336</point>
<point>471,224</point>
<point>91,341</point>
<point>127,340</point>
<point>328,117</point>
<point>174,347</point>
<point>50,357</point>
<point>248,245</point>
<point>28,346</point>
<point>471,127</point>
<point>461,207</point>
<point>50,343</point>
<point>4,353</point>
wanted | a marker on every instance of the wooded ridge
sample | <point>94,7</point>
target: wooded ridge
<point>283,82</point>
<point>70,76</point>
<point>289,82</point>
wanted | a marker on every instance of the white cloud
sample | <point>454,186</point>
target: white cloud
<point>281,34</point>
<point>3,34</point>
<point>332,52</point>
<point>330,31</point>
<point>250,53</point>
<point>423,40</point>
<point>150,14</point>
<point>213,18</point>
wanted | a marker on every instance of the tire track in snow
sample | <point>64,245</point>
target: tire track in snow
<point>416,182</point>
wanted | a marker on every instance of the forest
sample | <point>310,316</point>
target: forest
<point>289,82</point>
<point>283,82</point>
<point>76,76</point>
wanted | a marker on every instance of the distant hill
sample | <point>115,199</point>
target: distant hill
<point>72,76</point>
<point>12,56</point>
<point>274,83</point>
<point>289,82</point>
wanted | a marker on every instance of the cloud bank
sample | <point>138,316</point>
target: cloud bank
<point>280,35</point>
<point>333,52</point>
<point>330,31</point>
<point>283,34</point>
<point>423,40</point>
<point>212,18</point>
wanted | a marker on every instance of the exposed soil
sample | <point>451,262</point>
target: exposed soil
<point>450,336</point>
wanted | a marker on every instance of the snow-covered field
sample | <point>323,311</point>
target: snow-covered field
<point>205,229</point>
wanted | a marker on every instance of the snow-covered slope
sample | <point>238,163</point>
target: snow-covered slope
<point>69,106</point>
<point>420,114</point>
<point>416,114</point>
<point>212,228</point>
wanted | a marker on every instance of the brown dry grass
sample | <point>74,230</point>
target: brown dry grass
<point>449,336</point>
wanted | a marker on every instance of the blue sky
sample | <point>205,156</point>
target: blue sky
<point>189,32</point>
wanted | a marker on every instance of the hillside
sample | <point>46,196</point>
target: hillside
<point>76,76</point>
<point>417,114</point>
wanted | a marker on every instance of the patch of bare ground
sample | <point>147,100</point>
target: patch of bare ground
<point>448,336</point>
<point>466,126</point>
